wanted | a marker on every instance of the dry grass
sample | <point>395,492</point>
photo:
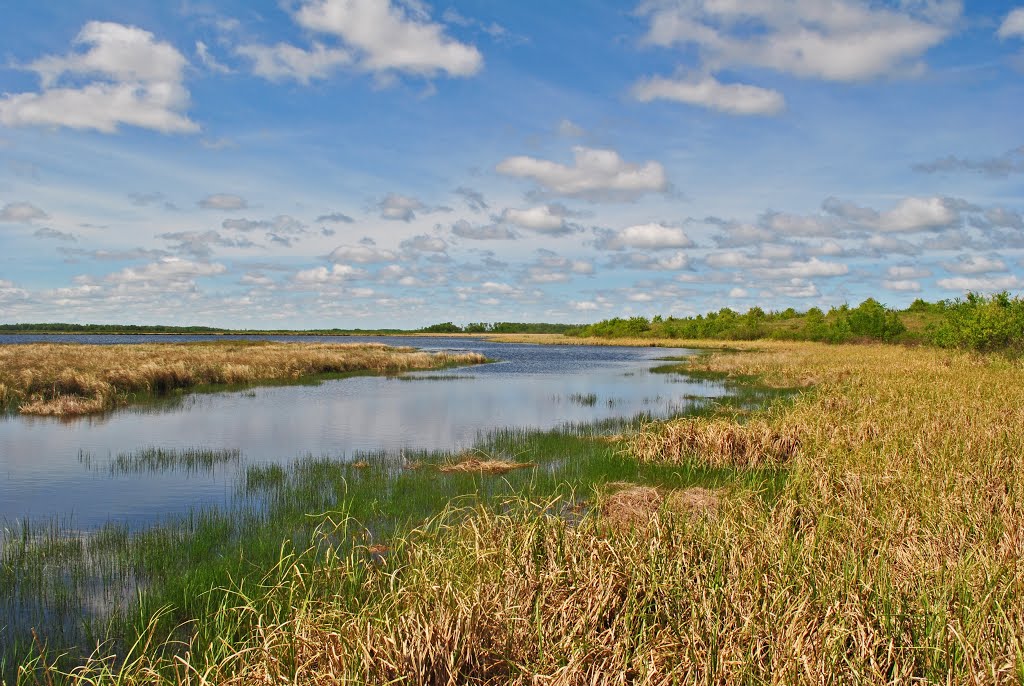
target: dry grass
<point>483,466</point>
<point>60,380</point>
<point>716,443</point>
<point>895,555</point>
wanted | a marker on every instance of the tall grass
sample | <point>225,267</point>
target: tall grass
<point>69,379</point>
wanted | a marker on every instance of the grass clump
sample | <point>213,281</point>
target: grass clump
<point>69,379</point>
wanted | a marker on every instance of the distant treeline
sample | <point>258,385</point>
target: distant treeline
<point>499,327</point>
<point>978,322</point>
<point>446,327</point>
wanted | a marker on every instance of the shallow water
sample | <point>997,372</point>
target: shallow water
<point>68,470</point>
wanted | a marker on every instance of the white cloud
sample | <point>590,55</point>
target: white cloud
<point>209,61</point>
<point>391,37</point>
<point>595,174</point>
<point>987,284</point>
<point>584,305</point>
<point>797,288</point>
<point>976,264</point>
<point>918,214</point>
<point>138,81</point>
<point>400,207</point>
<point>223,201</point>
<point>489,232</point>
<point>904,285</point>
<point>906,271</point>
<point>283,61</point>
<point>546,219</point>
<point>738,293</point>
<point>322,275</point>
<point>707,91</point>
<point>21,213</point>
<point>647,236</point>
<point>424,243</point>
<point>841,40</point>
<point>361,254</point>
<point>1013,25</point>
<point>169,269</point>
<point>552,268</point>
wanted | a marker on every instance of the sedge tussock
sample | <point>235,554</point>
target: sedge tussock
<point>716,443</point>
<point>70,379</point>
<point>485,466</point>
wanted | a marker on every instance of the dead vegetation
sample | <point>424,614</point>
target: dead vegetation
<point>72,379</point>
<point>716,443</point>
<point>483,466</point>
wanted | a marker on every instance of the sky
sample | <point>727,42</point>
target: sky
<point>374,163</point>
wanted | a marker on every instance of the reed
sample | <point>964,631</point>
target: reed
<point>69,379</point>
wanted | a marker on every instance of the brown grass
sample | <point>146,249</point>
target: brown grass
<point>483,466</point>
<point>68,379</point>
<point>716,443</point>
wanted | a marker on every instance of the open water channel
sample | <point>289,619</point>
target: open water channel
<point>59,469</point>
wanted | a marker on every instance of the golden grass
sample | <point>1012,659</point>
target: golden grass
<point>895,555</point>
<point>483,466</point>
<point>716,443</point>
<point>68,379</point>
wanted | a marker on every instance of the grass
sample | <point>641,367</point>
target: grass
<point>70,379</point>
<point>888,551</point>
<point>170,578</point>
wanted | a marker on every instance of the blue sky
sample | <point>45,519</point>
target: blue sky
<point>362,163</point>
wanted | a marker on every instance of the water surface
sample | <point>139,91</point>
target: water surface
<point>67,469</point>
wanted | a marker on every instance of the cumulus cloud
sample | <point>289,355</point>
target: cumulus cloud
<point>983,284</point>
<point>398,207</point>
<point>545,219</point>
<point>902,285</point>
<point>552,268</point>
<point>390,36</point>
<point>707,91</point>
<point>975,264</point>
<point>21,213</point>
<point>909,215</point>
<point>200,243</point>
<point>487,232</point>
<point>223,201</point>
<point>361,254</point>
<point>166,270</point>
<point>1013,25</point>
<point>796,288</point>
<point>283,61</point>
<point>595,174</point>
<point>674,261</point>
<point>919,214</point>
<point>907,271</point>
<point>645,237</point>
<point>136,81</point>
<point>322,275</point>
<point>844,40</point>
<point>424,243</point>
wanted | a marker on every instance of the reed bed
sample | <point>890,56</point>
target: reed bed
<point>68,379</point>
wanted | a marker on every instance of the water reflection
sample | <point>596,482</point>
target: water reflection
<point>41,475</point>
